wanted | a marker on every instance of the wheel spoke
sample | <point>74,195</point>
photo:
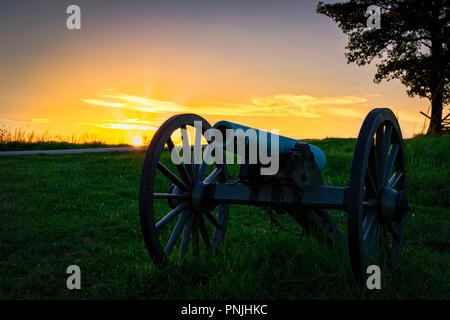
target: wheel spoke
<point>203,230</point>
<point>185,237</point>
<point>378,242</point>
<point>374,167</point>
<point>194,171</point>
<point>371,241</point>
<point>213,175</point>
<point>397,241</point>
<point>171,196</point>
<point>392,230</point>
<point>172,177</point>
<point>175,211</point>
<point>384,250</point>
<point>187,148</point>
<point>390,162</point>
<point>368,223</point>
<point>197,158</point>
<point>176,232</point>
<point>195,238</point>
<point>202,171</point>
<point>387,140</point>
<point>394,179</point>
<point>212,219</point>
<point>372,183</point>
<point>181,167</point>
<point>380,156</point>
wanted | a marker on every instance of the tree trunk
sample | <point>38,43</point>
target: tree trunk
<point>436,81</point>
<point>436,114</point>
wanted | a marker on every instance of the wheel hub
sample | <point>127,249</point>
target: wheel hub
<point>392,205</point>
<point>198,195</point>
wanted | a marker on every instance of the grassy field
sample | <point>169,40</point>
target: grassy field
<point>58,210</point>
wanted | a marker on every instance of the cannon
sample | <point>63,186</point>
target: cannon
<point>184,206</point>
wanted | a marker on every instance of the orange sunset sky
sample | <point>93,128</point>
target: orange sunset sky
<point>133,64</point>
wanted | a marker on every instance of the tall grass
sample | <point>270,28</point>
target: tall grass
<point>22,139</point>
<point>22,135</point>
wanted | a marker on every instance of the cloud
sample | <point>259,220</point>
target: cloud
<point>127,124</point>
<point>305,100</point>
<point>41,120</point>
<point>104,103</point>
<point>346,112</point>
<point>121,100</point>
<point>282,105</point>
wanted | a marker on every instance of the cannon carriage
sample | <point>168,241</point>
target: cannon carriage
<point>185,203</point>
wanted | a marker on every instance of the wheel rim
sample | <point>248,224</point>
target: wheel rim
<point>169,221</point>
<point>377,195</point>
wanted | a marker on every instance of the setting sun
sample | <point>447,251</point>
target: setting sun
<point>136,141</point>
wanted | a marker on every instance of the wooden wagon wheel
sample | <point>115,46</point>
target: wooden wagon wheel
<point>377,202</point>
<point>165,196</point>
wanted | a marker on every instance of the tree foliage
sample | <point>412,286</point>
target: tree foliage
<point>412,44</point>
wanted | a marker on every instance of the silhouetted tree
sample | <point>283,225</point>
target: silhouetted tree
<point>412,45</point>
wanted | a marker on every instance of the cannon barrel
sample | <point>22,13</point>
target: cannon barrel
<point>285,144</point>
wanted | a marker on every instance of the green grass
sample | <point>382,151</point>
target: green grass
<point>58,210</point>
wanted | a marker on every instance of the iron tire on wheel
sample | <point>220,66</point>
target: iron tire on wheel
<point>376,200</point>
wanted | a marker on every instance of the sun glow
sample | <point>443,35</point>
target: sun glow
<point>136,141</point>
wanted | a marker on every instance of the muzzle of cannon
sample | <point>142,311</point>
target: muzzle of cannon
<point>188,202</point>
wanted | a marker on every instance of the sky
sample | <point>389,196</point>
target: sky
<point>265,64</point>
